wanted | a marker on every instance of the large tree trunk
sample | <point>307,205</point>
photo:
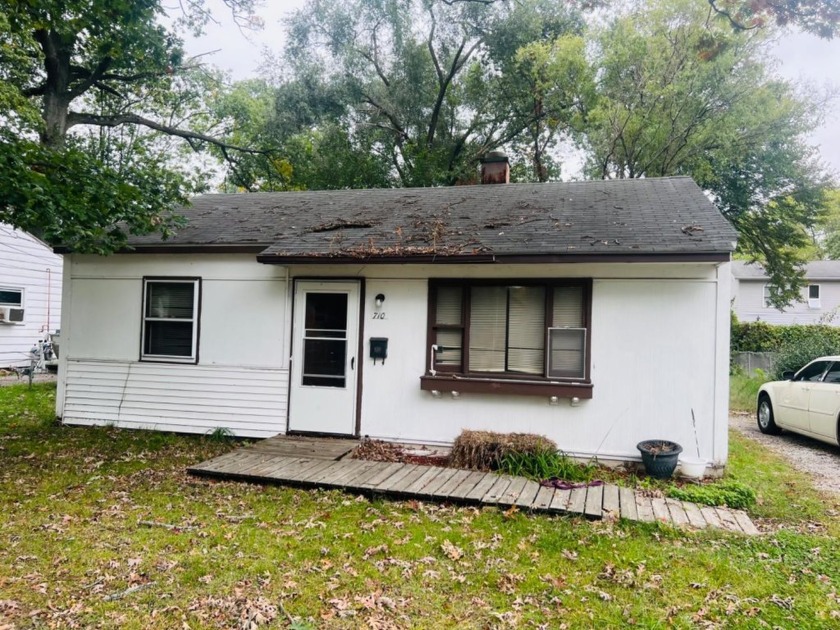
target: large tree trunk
<point>57,95</point>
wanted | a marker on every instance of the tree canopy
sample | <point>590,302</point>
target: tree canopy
<point>82,65</point>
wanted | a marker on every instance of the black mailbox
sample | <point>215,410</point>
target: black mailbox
<point>378,348</point>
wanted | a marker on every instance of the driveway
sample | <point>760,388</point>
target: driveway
<point>818,459</point>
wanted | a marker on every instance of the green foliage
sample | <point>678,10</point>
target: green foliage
<point>764,337</point>
<point>417,98</point>
<point>75,75</point>
<point>729,493</point>
<point>819,17</point>
<point>743,389</point>
<point>684,95</point>
<point>220,434</point>
<point>485,450</point>
<point>794,355</point>
<point>541,464</point>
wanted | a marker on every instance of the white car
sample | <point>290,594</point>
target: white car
<point>807,402</point>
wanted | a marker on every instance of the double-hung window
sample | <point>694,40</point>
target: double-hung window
<point>11,305</point>
<point>814,296</point>
<point>170,319</point>
<point>528,331</point>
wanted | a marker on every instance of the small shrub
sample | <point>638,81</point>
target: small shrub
<point>220,434</point>
<point>545,464</point>
<point>743,389</point>
<point>730,493</point>
<point>485,450</point>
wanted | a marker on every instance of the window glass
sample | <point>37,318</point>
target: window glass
<point>169,323</point>
<point>488,329</point>
<point>813,292</point>
<point>811,372</point>
<point>526,330</point>
<point>325,340</point>
<point>11,297</point>
<point>507,328</point>
<point>833,374</point>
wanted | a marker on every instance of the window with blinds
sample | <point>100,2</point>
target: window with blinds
<point>170,316</point>
<point>532,330</point>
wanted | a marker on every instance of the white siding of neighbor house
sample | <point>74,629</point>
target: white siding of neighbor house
<point>27,263</point>
<point>660,335</point>
<point>748,303</point>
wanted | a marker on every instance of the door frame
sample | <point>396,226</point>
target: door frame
<point>359,357</point>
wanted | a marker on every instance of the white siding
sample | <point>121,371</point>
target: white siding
<point>183,398</point>
<point>241,381</point>
<point>748,303</point>
<point>26,263</point>
<point>659,353</point>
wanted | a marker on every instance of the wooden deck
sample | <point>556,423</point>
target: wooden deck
<point>321,463</point>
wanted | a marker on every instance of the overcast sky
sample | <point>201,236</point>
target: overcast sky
<point>803,59</point>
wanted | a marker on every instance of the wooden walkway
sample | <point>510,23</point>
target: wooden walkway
<point>311,463</point>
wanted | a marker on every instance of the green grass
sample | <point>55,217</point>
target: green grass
<point>73,500</point>
<point>743,389</point>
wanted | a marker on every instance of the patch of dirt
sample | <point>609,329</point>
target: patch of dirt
<point>818,459</point>
<point>381,451</point>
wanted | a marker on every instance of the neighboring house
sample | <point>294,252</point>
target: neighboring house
<point>819,302</point>
<point>30,294</point>
<point>595,313</point>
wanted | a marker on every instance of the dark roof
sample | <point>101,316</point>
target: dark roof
<point>606,217</point>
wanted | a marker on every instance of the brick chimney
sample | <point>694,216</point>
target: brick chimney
<point>495,168</point>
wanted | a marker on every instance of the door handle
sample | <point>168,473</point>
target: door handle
<point>352,363</point>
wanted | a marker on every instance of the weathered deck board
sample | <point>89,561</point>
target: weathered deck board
<point>675,509</point>
<point>644,509</point>
<point>695,516</point>
<point>383,474</point>
<point>611,501</point>
<point>481,488</point>
<point>321,462</point>
<point>592,507</point>
<point>528,494</point>
<point>452,488</point>
<point>660,510</point>
<point>577,501</point>
<point>627,501</point>
<point>543,499</point>
<point>560,501</point>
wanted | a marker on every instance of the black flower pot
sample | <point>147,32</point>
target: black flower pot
<point>659,457</point>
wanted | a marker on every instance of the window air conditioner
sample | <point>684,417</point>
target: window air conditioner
<point>10,315</point>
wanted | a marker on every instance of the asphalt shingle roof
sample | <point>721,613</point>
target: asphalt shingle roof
<point>814,270</point>
<point>640,216</point>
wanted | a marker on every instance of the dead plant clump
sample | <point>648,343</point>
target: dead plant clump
<point>484,450</point>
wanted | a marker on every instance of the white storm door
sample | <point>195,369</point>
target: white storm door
<point>322,397</point>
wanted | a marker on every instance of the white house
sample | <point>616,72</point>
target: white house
<point>30,294</point>
<point>595,313</point>
<point>819,302</point>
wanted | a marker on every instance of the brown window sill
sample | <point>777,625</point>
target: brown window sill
<point>507,386</point>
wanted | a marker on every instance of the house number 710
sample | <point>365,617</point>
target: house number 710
<point>379,316</point>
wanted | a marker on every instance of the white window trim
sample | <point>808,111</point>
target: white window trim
<point>765,294</point>
<point>166,358</point>
<point>814,302</point>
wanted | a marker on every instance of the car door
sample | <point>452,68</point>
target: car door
<point>824,403</point>
<point>794,396</point>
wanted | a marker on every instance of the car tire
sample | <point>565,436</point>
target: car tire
<point>764,415</point>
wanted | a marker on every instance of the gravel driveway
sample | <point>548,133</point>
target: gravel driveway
<point>818,459</point>
<point>22,380</point>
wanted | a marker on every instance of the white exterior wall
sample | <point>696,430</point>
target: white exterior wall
<point>659,353</point>
<point>27,263</point>
<point>241,381</point>
<point>748,303</point>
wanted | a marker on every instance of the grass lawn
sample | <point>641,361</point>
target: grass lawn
<point>76,551</point>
